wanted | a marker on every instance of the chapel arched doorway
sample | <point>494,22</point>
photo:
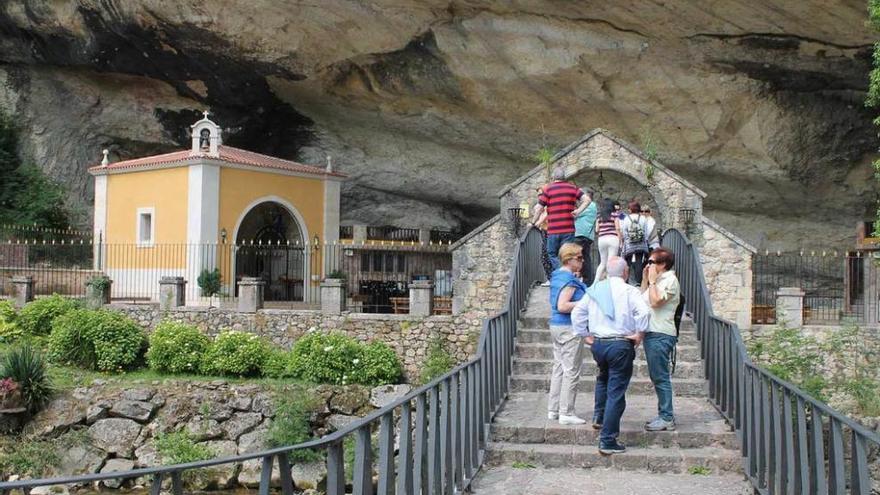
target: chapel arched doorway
<point>271,246</point>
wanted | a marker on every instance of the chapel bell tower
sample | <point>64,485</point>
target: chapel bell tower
<point>206,138</point>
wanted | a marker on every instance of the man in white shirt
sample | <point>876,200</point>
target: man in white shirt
<point>652,231</point>
<point>613,318</point>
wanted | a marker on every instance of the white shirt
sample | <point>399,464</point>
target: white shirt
<point>651,233</point>
<point>631,314</point>
<point>663,316</point>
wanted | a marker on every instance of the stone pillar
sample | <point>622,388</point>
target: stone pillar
<point>424,236</point>
<point>333,296</point>
<point>359,234</point>
<point>98,292</point>
<point>790,306</point>
<point>872,291</point>
<point>23,290</point>
<point>172,293</point>
<point>250,294</point>
<point>421,298</point>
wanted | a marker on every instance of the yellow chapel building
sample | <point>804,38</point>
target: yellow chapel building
<point>208,195</point>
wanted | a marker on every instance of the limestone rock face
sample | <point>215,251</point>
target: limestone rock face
<point>431,107</point>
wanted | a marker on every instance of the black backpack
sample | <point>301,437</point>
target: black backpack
<point>679,312</point>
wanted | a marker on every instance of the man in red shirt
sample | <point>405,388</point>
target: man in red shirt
<point>560,203</point>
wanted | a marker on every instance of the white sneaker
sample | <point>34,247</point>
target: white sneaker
<point>571,420</point>
<point>552,415</point>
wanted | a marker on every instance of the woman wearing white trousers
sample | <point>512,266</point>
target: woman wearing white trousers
<point>608,236</point>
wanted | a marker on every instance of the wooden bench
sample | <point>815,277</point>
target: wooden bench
<point>442,305</point>
<point>763,314</point>
<point>399,305</point>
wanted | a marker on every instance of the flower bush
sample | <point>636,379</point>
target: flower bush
<point>278,364</point>
<point>235,353</point>
<point>96,339</point>
<point>338,359</point>
<point>37,317</point>
<point>176,348</point>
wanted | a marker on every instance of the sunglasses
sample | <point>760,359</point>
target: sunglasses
<point>650,262</point>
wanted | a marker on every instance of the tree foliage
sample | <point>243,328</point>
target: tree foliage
<point>27,196</point>
<point>873,98</point>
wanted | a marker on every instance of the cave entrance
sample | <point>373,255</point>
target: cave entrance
<point>271,247</point>
<point>620,187</point>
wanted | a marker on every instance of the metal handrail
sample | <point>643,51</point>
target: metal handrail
<point>790,442</point>
<point>440,451</point>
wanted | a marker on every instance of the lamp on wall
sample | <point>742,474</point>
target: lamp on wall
<point>686,217</point>
<point>223,235</point>
<point>514,214</point>
<point>316,243</point>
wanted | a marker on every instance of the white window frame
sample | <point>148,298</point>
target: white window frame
<point>140,213</point>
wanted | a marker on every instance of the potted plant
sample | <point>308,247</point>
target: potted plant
<point>210,283</point>
<point>10,395</point>
<point>98,291</point>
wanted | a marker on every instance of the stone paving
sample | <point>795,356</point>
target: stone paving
<point>559,459</point>
<point>539,481</point>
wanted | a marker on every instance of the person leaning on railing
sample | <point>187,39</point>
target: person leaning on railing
<point>661,291</point>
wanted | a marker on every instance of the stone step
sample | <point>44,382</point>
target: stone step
<point>653,459</point>
<point>522,366</point>
<point>540,320</point>
<point>685,353</point>
<point>523,419</point>
<point>531,335</point>
<point>638,385</point>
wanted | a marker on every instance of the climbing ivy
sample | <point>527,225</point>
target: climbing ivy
<point>873,98</point>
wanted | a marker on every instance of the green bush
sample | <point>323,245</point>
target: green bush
<point>278,364</point>
<point>379,365</point>
<point>179,447</point>
<point>37,317</point>
<point>96,340</point>
<point>27,367</point>
<point>290,425</point>
<point>235,353</point>
<point>7,312</point>
<point>325,358</point>
<point>437,362</point>
<point>209,282</point>
<point>176,348</point>
<point>30,458</point>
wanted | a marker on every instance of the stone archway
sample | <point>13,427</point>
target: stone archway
<point>679,202</point>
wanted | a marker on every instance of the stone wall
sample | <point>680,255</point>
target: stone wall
<point>727,267</point>
<point>408,335</point>
<point>481,263</point>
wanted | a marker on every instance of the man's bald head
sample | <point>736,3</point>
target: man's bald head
<point>616,267</point>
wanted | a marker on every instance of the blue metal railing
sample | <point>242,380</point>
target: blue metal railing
<point>443,428</point>
<point>790,442</point>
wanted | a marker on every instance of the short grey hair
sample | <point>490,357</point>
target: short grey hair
<point>558,173</point>
<point>616,266</point>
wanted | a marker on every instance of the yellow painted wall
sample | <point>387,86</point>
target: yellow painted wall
<point>166,192</point>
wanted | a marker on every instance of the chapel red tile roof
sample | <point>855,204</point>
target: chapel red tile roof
<point>228,154</point>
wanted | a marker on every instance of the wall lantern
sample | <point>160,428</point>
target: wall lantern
<point>514,214</point>
<point>316,243</point>
<point>223,235</point>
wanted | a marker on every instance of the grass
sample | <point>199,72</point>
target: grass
<point>523,465</point>
<point>33,458</point>
<point>699,470</point>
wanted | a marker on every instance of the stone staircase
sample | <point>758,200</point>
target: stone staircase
<point>522,434</point>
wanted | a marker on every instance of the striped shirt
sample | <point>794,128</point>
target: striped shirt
<point>607,228</point>
<point>560,198</point>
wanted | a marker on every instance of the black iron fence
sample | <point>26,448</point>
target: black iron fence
<point>441,434</point>
<point>377,277</point>
<point>790,442</point>
<point>834,285</point>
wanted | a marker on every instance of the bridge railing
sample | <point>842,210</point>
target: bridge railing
<point>443,426</point>
<point>790,442</point>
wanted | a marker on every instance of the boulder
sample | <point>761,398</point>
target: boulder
<point>133,409</point>
<point>203,429</point>
<point>177,410</point>
<point>217,409</point>
<point>351,400</point>
<point>79,459</point>
<point>50,490</point>
<point>383,395</point>
<point>139,394</point>
<point>339,421</point>
<point>58,417</point>
<point>262,403</point>
<point>241,423</point>
<point>116,465</point>
<point>223,475</point>
<point>94,413</point>
<point>240,403</point>
<point>309,475</point>
<point>251,471</point>
<point>115,435</point>
<point>147,456</point>
<point>253,441</point>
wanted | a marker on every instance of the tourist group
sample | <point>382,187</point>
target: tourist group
<point>633,298</point>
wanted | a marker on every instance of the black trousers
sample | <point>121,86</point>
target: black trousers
<point>587,272</point>
<point>636,262</point>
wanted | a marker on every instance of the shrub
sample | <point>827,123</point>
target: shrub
<point>278,364</point>
<point>96,340</point>
<point>36,317</point>
<point>379,365</point>
<point>209,282</point>
<point>291,425</point>
<point>235,353</point>
<point>27,367</point>
<point>176,348</point>
<point>179,447</point>
<point>7,312</point>
<point>31,458</point>
<point>325,358</point>
<point>437,362</point>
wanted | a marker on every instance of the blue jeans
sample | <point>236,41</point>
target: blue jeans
<point>658,350</point>
<point>615,361</point>
<point>554,242</point>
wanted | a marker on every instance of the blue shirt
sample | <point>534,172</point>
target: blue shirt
<point>585,223</point>
<point>560,279</point>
